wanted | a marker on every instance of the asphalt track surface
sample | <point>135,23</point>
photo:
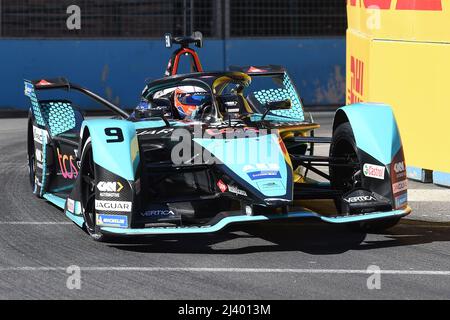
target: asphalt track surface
<point>301,260</point>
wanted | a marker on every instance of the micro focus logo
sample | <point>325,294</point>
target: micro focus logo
<point>374,171</point>
<point>399,167</point>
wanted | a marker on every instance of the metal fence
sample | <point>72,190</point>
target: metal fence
<point>153,18</point>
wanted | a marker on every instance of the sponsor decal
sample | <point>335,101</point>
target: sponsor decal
<point>399,167</point>
<point>237,191</point>
<point>110,189</point>
<point>356,90</point>
<point>248,210</point>
<point>416,5</point>
<point>222,186</point>
<point>398,173</point>
<point>38,135</point>
<point>67,165</point>
<point>238,130</point>
<point>419,5</point>
<point>158,213</point>
<point>266,174</point>
<point>231,103</point>
<point>261,166</point>
<point>39,155</point>
<point>112,220</point>
<point>71,205</point>
<point>272,185</point>
<point>401,201</point>
<point>226,187</point>
<point>28,89</point>
<point>359,199</point>
<point>156,131</point>
<point>373,171</point>
<point>114,206</point>
<point>400,186</point>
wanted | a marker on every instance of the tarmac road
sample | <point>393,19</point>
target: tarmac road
<point>301,260</point>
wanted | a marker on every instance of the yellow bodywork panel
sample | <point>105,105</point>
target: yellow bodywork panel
<point>401,57</point>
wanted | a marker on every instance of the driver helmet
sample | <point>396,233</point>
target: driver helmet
<point>188,103</point>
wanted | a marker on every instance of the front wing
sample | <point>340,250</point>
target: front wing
<point>234,219</point>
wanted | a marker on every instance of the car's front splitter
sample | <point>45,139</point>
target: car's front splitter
<point>256,218</point>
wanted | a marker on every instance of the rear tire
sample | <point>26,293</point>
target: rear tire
<point>31,153</point>
<point>88,184</point>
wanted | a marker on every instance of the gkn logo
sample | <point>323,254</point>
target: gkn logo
<point>399,167</point>
<point>109,186</point>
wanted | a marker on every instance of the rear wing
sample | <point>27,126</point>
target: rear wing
<point>31,86</point>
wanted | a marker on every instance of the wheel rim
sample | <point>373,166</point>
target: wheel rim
<point>88,189</point>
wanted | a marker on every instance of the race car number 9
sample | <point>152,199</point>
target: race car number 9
<point>115,133</point>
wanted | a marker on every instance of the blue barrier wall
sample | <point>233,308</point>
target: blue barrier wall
<point>119,69</point>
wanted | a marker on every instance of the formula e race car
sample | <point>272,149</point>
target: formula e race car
<point>207,149</point>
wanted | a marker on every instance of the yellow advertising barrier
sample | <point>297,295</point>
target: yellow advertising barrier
<point>398,52</point>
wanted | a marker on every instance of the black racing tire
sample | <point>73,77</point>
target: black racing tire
<point>31,153</point>
<point>373,226</point>
<point>88,185</point>
<point>343,144</point>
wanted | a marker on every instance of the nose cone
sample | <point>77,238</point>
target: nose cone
<point>256,162</point>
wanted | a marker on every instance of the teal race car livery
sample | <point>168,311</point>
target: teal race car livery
<point>207,149</point>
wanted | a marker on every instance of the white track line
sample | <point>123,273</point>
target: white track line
<point>238,270</point>
<point>428,195</point>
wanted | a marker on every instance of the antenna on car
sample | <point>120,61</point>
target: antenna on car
<point>196,38</point>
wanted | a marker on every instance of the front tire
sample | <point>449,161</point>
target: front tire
<point>373,226</point>
<point>88,184</point>
<point>343,145</point>
<point>346,178</point>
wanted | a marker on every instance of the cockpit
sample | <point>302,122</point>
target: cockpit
<point>217,97</point>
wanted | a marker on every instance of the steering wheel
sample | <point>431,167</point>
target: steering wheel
<point>203,109</point>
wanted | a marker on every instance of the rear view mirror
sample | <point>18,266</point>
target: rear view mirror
<point>277,105</point>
